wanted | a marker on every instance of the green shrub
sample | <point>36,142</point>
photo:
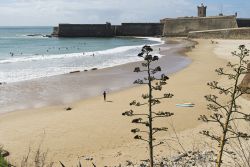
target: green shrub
<point>3,162</point>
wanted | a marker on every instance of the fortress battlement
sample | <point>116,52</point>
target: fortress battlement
<point>108,30</point>
<point>169,27</point>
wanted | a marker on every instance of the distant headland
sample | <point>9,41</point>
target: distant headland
<point>227,27</point>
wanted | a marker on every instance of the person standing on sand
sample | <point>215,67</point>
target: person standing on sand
<point>104,95</point>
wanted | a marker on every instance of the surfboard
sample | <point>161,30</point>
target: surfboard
<point>185,105</point>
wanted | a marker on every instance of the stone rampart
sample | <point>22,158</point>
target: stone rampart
<point>243,22</point>
<point>108,30</point>
<point>139,29</point>
<point>182,26</point>
<point>85,30</point>
<point>231,33</point>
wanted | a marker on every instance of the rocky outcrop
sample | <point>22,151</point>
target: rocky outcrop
<point>246,80</point>
<point>245,83</point>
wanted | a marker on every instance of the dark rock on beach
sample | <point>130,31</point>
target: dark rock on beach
<point>34,35</point>
<point>4,153</point>
<point>68,109</point>
<point>2,83</point>
<point>72,72</point>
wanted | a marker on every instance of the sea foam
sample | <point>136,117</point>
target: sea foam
<point>38,66</point>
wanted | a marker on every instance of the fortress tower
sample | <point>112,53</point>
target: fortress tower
<point>202,11</point>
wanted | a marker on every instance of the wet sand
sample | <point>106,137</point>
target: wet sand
<point>68,88</point>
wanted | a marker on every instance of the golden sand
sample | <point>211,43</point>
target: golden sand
<point>97,129</point>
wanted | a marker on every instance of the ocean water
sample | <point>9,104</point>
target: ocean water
<point>25,53</point>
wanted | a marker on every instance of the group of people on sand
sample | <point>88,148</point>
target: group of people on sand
<point>214,42</point>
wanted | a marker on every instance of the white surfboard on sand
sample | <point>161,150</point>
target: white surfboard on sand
<point>185,105</point>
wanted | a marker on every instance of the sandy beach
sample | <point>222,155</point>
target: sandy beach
<point>94,128</point>
<point>68,88</point>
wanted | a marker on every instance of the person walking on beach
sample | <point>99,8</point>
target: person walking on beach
<point>104,95</point>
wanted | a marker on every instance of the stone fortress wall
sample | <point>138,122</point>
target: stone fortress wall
<point>242,31</point>
<point>182,26</point>
<point>243,22</point>
<point>193,27</point>
<point>227,27</point>
<point>229,33</point>
<point>108,30</point>
<point>139,29</point>
<point>85,30</point>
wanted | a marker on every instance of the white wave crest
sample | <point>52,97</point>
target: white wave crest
<point>155,39</point>
<point>63,64</point>
<point>72,55</point>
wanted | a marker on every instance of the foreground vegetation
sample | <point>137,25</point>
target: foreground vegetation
<point>154,84</point>
<point>3,162</point>
<point>226,116</point>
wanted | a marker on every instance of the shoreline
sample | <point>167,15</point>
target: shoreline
<point>97,129</point>
<point>77,56</point>
<point>69,88</point>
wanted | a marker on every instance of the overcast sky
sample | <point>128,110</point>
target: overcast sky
<point>52,12</point>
